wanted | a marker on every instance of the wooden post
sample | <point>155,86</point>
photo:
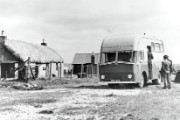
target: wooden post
<point>97,69</point>
<point>0,70</point>
<point>50,70</point>
<point>81,70</point>
<point>60,71</point>
<point>72,71</point>
<point>92,70</point>
<point>28,68</point>
<point>1,60</point>
<point>86,71</point>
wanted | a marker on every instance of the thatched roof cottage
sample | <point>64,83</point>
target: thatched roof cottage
<point>14,54</point>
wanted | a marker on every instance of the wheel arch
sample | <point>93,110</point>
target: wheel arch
<point>144,74</point>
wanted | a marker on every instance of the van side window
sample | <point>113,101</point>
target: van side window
<point>161,48</point>
<point>134,56</point>
<point>152,47</point>
<point>141,55</point>
<point>103,58</point>
<point>157,47</point>
<point>110,57</point>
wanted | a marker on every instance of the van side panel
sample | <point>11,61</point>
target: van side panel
<point>156,62</point>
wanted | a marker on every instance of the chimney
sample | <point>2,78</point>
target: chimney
<point>2,37</point>
<point>43,43</point>
<point>92,58</point>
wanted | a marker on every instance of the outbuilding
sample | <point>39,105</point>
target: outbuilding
<point>86,64</point>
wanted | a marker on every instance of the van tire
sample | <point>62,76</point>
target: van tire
<point>158,80</point>
<point>143,82</point>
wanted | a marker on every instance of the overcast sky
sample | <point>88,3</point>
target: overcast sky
<point>71,26</point>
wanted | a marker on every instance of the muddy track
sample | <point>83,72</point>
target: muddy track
<point>92,102</point>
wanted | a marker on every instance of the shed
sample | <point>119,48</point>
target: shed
<point>82,64</point>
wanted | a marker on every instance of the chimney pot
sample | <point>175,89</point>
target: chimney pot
<point>2,37</point>
<point>43,43</point>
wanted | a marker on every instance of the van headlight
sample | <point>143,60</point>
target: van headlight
<point>102,76</point>
<point>129,76</point>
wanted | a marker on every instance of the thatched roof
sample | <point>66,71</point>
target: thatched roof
<point>37,53</point>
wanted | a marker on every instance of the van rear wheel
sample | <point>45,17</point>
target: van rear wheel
<point>157,81</point>
<point>141,84</point>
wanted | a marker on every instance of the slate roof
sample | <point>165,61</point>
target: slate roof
<point>84,58</point>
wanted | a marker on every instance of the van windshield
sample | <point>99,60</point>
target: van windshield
<point>110,57</point>
<point>126,56</point>
<point>122,56</point>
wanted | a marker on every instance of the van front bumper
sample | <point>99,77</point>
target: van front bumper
<point>117,82</point>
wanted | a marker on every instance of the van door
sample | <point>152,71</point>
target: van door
<point>141,65</point>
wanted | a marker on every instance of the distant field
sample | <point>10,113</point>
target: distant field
<point>176,66</point>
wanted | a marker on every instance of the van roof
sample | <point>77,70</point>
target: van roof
<point>124,42</point>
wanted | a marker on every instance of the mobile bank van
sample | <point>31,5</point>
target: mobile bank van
<point>124,59</point>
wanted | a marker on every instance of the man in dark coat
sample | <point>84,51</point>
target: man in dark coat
<point>165,71</point>
<point>171,67</point>
<point>150,57</point>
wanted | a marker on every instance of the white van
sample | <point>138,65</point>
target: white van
<point>124,59</point>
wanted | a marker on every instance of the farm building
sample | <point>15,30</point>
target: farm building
<point>67,69</point>
<point>19,59</point>
<point>82,64</point>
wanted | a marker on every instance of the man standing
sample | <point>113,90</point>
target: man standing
<point>171,67</point>
<point>150,57</point>
<point>165,70</point>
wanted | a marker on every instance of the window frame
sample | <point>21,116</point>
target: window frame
<point>161,47</point>
<point>152,47</point>
<point>157,49</point>
<point>124,51</point>
<point>141,55</point>
<point>106,58</point>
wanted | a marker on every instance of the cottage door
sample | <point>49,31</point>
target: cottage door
<point>7,70</point>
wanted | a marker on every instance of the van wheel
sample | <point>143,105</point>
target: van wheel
<point>143,80</point>
<point>158,80</point>
<point>141,84</point>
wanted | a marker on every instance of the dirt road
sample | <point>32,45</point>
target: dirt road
<point>91,103</point>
